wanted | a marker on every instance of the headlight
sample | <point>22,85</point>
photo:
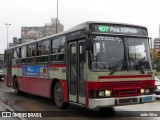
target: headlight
<point>101,93</point>
<point>147,91</point>
<point>142,91</point>
<point>157,87</point>
<point>108,92</point>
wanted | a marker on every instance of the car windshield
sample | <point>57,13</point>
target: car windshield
<point>109,53</point>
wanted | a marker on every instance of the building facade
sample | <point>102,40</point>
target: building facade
<point>33,33</point>
<point>157,44</point>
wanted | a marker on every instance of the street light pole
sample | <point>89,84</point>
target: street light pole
<point>57,18</point>
<point>7,32</point>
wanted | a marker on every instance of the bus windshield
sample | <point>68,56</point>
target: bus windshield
<point>138,51</point>
<point>109,52</point>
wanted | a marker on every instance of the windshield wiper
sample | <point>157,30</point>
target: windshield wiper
<point>138,66</point>
<point>119,63</point>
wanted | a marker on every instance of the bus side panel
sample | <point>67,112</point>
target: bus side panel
<point>36,86</point>
<point>90,86</point>
<point>65,89</point>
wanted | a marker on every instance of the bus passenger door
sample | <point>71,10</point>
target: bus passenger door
<point>76,62</point>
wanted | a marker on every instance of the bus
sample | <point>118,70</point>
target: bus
<point>94,64</point>
<point>1,65</point>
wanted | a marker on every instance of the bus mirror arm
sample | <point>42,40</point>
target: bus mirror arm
<point>150,41</point>
<point>87,41</point>
<point>87,44</point>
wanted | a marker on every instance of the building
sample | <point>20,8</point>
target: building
<point>33,33</point>
<point>157,44</point>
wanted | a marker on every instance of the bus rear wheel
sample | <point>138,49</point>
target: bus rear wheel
<point>59,97</point>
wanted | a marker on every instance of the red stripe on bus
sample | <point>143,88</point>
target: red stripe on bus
<point>92,85</point>
<point>57,65</point>
<point>16,66</point>
<point>4,66</point>
<point>128,76</point>
<point>65,89</point>
<point>51,65</point>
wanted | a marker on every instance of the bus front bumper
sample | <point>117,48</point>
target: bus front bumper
<point>106,102</point>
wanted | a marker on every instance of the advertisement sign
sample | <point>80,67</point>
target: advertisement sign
<point>31,32</point>
<point>37,71</point>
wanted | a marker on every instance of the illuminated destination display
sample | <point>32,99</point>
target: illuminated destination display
<point>115,29</point>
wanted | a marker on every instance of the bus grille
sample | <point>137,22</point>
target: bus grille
<point>128,84</point>
<point>126,88</point>
<point>126,92</point>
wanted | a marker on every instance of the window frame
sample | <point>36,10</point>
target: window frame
<point>60,39</point>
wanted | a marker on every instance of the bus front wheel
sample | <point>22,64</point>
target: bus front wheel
<point>59,97</point>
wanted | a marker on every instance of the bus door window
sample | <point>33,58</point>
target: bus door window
<point>73,69</point>
<point>82,59</point>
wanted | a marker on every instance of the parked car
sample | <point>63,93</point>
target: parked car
<point>157,88</point>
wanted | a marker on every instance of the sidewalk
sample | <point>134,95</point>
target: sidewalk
<point>7,96</point>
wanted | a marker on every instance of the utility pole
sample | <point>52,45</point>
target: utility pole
<point>159,30</point>
<point>57,18</point>
<point>7,32</point>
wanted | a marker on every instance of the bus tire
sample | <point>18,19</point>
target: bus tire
<point>59,97</point>
<point>16,89</point>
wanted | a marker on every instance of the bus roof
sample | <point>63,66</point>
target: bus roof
<point>81,26</point>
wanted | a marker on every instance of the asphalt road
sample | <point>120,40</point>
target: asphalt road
<point>31,103</point>
<point>5,113</point>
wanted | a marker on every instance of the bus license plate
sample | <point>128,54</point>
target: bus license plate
<point>147,99</point>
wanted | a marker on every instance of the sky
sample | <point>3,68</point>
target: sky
<point>22,13</point>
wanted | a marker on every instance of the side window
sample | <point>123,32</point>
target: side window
<point>31,53</point>
<point>43,48</point>
<point>58,49</point>
<point>42,51</point>
<point>15,56</point>
<point>23,55</point>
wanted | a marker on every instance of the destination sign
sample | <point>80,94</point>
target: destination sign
<point>115,29</point>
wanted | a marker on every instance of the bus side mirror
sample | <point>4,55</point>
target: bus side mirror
<point>87,44</point>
